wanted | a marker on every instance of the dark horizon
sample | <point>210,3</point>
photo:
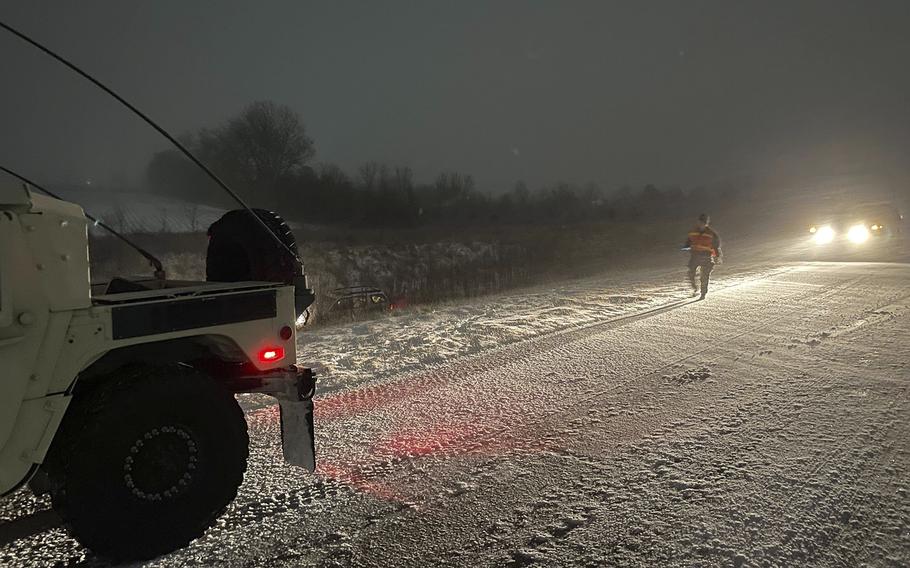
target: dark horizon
<point>663,93</point>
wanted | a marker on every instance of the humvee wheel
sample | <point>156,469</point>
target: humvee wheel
<point>147,460</point>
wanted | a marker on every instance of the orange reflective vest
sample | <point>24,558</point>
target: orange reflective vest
<point>703,241</point>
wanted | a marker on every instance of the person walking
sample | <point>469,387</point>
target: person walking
<point>703,245</point>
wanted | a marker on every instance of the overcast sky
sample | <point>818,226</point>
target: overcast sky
<point>613,92</point>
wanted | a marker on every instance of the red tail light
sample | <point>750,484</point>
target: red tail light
<point>271,354</point>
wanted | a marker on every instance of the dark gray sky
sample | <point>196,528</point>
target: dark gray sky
<point>613,92</point>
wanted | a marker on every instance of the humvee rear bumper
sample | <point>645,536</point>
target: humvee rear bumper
<point>294,388</point>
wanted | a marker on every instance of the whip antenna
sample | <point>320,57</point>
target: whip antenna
<point>157,128</point>
<point>159,268</point>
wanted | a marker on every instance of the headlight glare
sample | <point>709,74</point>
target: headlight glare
<point>858,234</point>
<point>824,235</point>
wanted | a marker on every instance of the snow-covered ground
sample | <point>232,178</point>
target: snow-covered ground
<point>611,421</point>
<point>424,337</point>
<point>142,212</point>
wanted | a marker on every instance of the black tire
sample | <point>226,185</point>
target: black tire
<point>146,460</point>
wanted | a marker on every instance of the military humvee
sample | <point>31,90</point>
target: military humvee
<point>117,398</point>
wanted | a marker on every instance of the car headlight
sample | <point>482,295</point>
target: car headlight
<point>812,229</point>
<point>876,227</point>
<point>858,234</point>
<point>824,235</point>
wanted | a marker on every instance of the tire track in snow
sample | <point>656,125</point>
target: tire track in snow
<point>541,418</point>
<point>361,475</point>
<point>371,396</point>
<point>557,345</point>
<point>758,402</point>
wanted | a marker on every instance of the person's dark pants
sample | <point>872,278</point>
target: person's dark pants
<point>706,263</point>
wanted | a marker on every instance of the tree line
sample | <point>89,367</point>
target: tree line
<point>265,153</point>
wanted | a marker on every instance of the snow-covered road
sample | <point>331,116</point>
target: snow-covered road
<point>766,426</point>
<point>423,337</point>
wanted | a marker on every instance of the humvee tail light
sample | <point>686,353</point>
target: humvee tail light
<point>271,354</point>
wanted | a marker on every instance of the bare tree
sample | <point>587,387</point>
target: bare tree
<point>453,186</point>
<point>403,178</point>
<point>521,191</point>
<point>332,175</point>
<point>261,145</point>
<point>369,175</point>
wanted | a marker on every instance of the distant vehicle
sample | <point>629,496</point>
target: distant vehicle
<point>358,300</point>
<point>855,226</point>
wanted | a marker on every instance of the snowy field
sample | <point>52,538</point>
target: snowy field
<point>610,421</point>
<point>142,212</point>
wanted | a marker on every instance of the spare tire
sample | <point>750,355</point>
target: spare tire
<point>240,249</point>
